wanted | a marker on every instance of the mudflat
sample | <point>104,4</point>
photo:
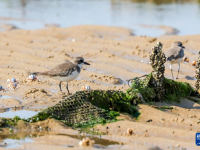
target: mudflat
<point>115,55</point>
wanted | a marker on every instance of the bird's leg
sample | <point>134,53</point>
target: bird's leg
<point>178,70</point>
<point>67,88</point>
<point>60,86</point>
<point>171,72</point>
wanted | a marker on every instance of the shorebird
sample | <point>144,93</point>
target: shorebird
<point>65,72</point>
<point>175,55</point>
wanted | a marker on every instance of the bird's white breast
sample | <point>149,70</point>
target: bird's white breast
<point>68,78</point>
<point>175,61</point>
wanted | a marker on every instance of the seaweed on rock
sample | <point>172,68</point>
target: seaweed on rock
<point>144,90</point>
<point>155,87</point>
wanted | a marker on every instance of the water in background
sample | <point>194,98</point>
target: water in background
<point>183,15</point>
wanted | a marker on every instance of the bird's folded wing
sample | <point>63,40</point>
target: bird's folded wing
<point>64,69</point>
<point>176,53</point>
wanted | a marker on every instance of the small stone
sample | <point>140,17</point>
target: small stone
<point>194,63</point>
<point>150,120</point>
<point>86,142</point>
<point>177,145</point>
<point>129,131</point>
<point>70,145</point>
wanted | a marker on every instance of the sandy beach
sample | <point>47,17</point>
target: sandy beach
<point>115,55</point>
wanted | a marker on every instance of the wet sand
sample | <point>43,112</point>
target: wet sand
<point>115,55</point>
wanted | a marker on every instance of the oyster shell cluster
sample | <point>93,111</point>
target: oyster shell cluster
<point>197,72</point>
<point>157,60</point>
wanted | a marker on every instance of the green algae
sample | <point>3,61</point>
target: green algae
<point>6,122</point>
<point>141,90</point>
<point>88,108</point>
<point>145,90</point>
<point>174,90</point>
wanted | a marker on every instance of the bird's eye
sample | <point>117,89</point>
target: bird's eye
<point>81,61</point>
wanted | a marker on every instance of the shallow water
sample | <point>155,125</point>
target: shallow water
<point>97,139</point>
<point>20,113</point>
<point>12,143</point>
<point>14,140</point>
<point>34,14</point>
<point>5,96</point>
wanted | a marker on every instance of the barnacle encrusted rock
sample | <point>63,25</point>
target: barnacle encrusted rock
<point>154,86</point>
<point>157,60</point>
<point>197,73</point>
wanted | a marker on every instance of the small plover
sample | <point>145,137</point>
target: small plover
<point>175,55</point>
<point>65,72</point>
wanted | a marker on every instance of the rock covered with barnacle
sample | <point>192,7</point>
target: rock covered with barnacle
<point>157,60</point>
<point>197,72</point>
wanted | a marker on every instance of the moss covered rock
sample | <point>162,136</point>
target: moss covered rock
<point>145,90</point>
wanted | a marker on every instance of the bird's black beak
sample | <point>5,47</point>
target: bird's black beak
<point>183,47</point>
<point>86,63</point>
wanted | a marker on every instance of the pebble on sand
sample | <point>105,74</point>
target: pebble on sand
<point>86,87</point>
<point>1,88</point>
<point>12,80</point>
<point>129,132</point>
<point>194,63</point>
<point>12,86</point>
<point>13,83</point>
<point>86,142</point>
<point>31,77</point>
